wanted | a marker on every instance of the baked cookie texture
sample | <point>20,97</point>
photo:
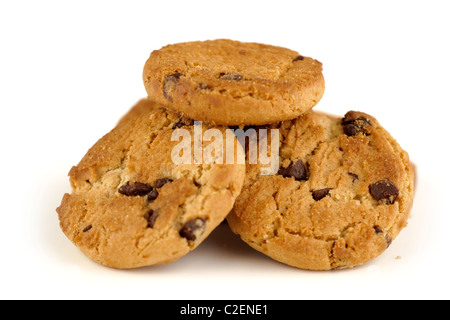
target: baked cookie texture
<point>234,83</point>
<point>343,193</point>
<point>131,206</point>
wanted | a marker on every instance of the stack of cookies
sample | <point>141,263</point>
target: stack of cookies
<point>341,193</point>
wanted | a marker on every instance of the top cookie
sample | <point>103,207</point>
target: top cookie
<point>342,195</point>
<point>233,83</point>
<point>132,206</point>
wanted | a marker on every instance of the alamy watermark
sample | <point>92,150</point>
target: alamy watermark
<point>261,147</point>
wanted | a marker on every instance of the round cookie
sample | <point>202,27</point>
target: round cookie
<point>342,195</point>
<point>233,83</point>
<point>131,206</point>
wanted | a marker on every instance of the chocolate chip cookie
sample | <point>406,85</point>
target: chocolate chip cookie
<point>233,83</point>
<point>342,195</point>
<point>131,206</point>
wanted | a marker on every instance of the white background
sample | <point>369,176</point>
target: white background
<point>70,69</point>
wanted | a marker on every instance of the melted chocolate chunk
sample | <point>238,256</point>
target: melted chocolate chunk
<point>354,129</point>
<point>299,58</point>
<point>181,123</point>
<point>378,230</point>
<point>135,189</point>
<point>320,194</point>
<point>384,190</point>
<point>178,125</point>
<point>354,176</point>
<point>355,123</point>
<point>161,182</point>
<point>89,227</point>
<point>169,84</point>
<point>296,170</point>
<point>153,195</point>
<point>388,241</point>
<point>230,76</point>
<point>151,217</point>
<point>193,229</point>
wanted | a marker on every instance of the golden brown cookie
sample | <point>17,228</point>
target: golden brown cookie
<point>233,83</point>
<point>342,195</point>
<point>131,206</point>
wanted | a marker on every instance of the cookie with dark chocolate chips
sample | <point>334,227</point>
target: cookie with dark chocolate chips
<point>233,83</point>
<point>131,206</point>
<point>342,195</point>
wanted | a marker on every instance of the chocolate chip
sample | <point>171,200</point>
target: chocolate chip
<point>354,176</point>
<point>243,128</point>
<point>355,123</point>
<point>320,194</point>
<point>193,229</point>
<point>181,123</point>
<point>135,189</point>
<point>197,184</point>
<point>151,217</point>
<point>354,129</point>
<point>299,58</point>
<point>170,83</point>
<point>89,227</point>
<point>153,195</point>
<point>296,170</point>
<point>178,125</point>
<point>378,230</point>
<point>161,182</point>
<point>230,76</point>
<point>388,241</point>
<point>384,190</point>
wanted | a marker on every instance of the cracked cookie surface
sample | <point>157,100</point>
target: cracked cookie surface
<point>343,193</point>
<point>233,83</point>
<point>131,206</point>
